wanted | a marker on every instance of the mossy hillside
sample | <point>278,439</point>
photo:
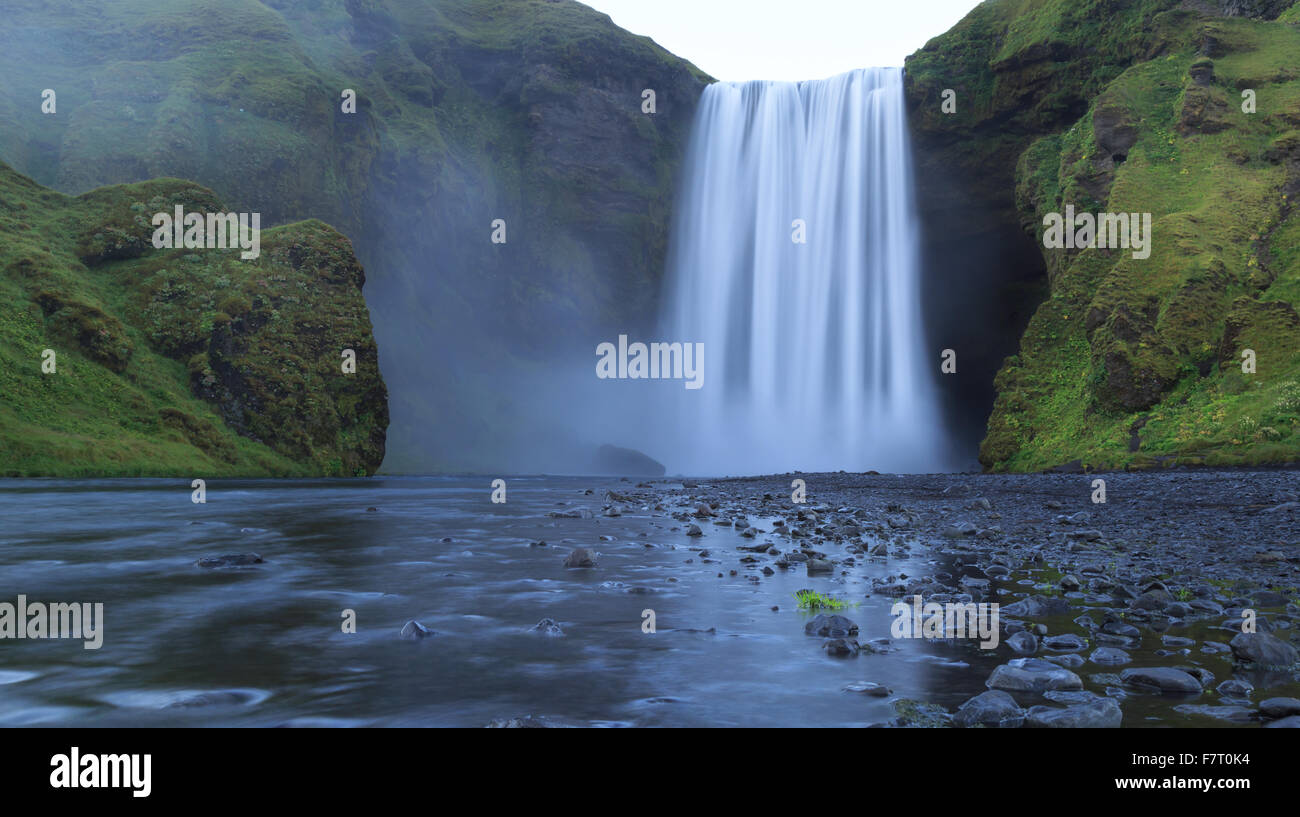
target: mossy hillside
<point>468,111</point>
<point>1137,362</point>
<point>1020,69</point>
<point>177,362</point>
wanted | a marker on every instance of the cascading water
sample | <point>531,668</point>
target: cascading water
<point>795,262</point>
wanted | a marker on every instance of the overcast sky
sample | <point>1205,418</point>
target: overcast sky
<point>777,39</point>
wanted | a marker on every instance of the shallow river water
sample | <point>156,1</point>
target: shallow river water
<point>263,645</point>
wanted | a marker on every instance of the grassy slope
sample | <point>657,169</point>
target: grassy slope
<point>1147,351</point>
<point>469,110</point>
<point>139,334</point>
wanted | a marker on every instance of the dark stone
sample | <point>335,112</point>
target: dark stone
<point>830,626</point>
<point>1262,648</point>
<point>580,557</point>
<point>1099,713</point>
<point>1279,707</point>
<point>230,560</point>
<point>994,708</point>
<point>1164,679</point>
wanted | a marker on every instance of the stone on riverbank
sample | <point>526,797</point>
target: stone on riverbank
<point>1262,648</point>
<point>580,557</point>
<point>1164,679</point>
<point>1100,713</point>
<point>1032,675</point>
<point>831,626</point>
<point>994,709</point>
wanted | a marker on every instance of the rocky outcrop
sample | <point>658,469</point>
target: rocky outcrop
<point>1183,111</point>
<point>186,362</point>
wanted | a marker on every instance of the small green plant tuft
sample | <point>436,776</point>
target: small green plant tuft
<point>812,600</point>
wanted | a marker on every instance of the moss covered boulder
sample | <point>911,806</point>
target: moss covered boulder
<point>119,359</point>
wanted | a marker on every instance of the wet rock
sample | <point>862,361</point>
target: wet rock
<point>1023,643</point>
<point>1205,606</point>
<point>993,709</point>
<point>548,627</point>
<point>230,560</point>
<point>1070,582</point>
<point>1067,642</point>
<point>874,690</point>
<point>957,530</point>
<point>1263,649</point>
<point>414,631</point>
<point>1269,598</point>
<point>1032,675</point>
<point>916,714</point>
<point>574,513</point>
<point>1071,696</point>
<point>1279,707</point>
<point>1234,714</point>
<point>1199,673</point>
<point>819,566</point>
<point>1037,606</point>
<point>1155,600</point>
<point>1070,660</point>
<point>580,557</point>
<point>831,626</point>
<point>1122,629</point>
<point>1164,679</point>
<point>694,530</point>
<point>529,722</point>
<point>840,647</point>
<point>1236,688</point>
<point>1292,722</point>
<point>1099,713</point>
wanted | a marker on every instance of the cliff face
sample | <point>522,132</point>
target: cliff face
<point>1126,107</point>
<point>467,111</point>
<point>184,362</point>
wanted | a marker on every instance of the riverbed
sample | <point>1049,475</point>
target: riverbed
<point>192,638</point>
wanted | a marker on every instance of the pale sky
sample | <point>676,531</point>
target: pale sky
<point>738,40</point>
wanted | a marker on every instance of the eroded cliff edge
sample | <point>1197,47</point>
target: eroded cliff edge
<point>1123,106</point>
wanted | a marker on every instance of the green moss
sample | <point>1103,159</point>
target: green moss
<point>154,375</point>
<point>1136,362</point>
<point>467,111</point>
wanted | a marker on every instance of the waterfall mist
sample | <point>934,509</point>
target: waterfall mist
<point>815,352</point>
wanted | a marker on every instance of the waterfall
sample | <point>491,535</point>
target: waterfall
<point>815,350</point>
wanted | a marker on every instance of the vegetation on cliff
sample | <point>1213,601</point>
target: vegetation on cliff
<point>467,111</point>
<point>181,362</point>
<point>1136,106</point>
